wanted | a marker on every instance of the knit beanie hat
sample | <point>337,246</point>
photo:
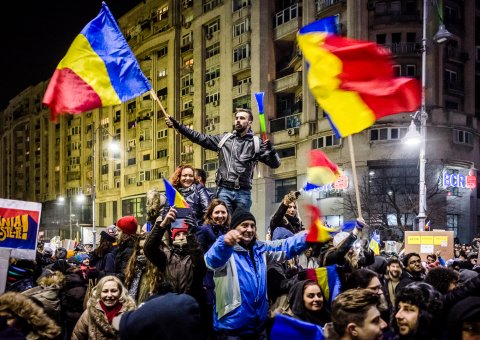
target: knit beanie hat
<point>107,236</point>
<point>175,231</point>
<point>128,225</point>
<point>240,215</point>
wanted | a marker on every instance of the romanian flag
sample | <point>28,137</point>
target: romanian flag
<point>328,280</point>
<point>321,170</point>
<point>288,328</point>
<point>319,232</point>
<point>353,80</point>
<point>375,243</point>
<point>98,70</point>
<point>174,197</point>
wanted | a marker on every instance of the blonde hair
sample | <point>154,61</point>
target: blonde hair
<point>54,279</point>
<point>97,290</point>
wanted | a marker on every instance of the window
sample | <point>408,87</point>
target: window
<point>241,52</point>
<point>286,15</point>
<point>162,153</point>
<point>393,133</point>
<point>117,184</point>
<point>212,98</point>
<point>212,27</point>
<point>286,152</point>
<point>162,133</point>
<point>130,180</point>
<point>104,169</point>
<point>162,13</point>
<point>212,73</point>
<point>144,176</point>
<point>396,38</point>
<point>132,161</point>
<point>452,105</point>
<point>162,51</point>
<point>411,70</point>
<point>135,207</point>
<point>241,27</point>
<point>75,130</point>
<point>462,137</point>
<point>284,186</point>
<point>187,39</point>
<point>210,165</point>
<point>325,141</point>
<point>411,37</point>
<point>212,50</point>
<point>188,105</point>
<point>158,174</point>
<point>381,39</point>
<point>398,179</point>
<point>186,83</point>
<point>452,223</point>
<point>146,157</point>
<point>397,70</point>
<point>162,73</point>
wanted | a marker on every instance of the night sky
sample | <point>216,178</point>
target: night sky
<point>37,34</point>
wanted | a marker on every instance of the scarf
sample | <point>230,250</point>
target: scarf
<point>111,312</point>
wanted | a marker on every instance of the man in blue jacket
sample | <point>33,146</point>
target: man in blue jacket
<point>239,263</point>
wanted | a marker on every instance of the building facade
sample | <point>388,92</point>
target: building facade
<point>206,58</point>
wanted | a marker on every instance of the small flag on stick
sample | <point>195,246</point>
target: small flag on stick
<point>319,232</point>
<point>375,243</point>
<point>174,197</point>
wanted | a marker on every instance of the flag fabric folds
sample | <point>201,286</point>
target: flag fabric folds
<point>320,169</point>
<point>328,280</point>
<point>353,80</point>
<point>319,232</point>
<point>374,244</point>
<point>98,70</point>
<point>288,328</point>
<point>173,196</point>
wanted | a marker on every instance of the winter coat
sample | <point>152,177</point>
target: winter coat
<point>184,267</point>
<point>241,303</point>
<point>122,255</point>
<point>406,278</point>
<point>72,297</point>
<point>49,297</point>
<point>93,324</point>
<point>286,225</point>
<point>237,157</point>
<point>105,265</point>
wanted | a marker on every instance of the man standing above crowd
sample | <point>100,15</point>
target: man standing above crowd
<point>238,152</point>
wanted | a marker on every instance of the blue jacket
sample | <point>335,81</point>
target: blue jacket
<point>241,303</point>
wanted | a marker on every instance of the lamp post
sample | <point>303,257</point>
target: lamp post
<point>412,136</point>
<point>113,146</point>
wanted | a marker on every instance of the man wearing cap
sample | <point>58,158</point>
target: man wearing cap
<point>128,226</point>
<point>239,264</point>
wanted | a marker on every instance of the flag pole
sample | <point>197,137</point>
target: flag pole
<point>354,174</point>
<point>154,95</point>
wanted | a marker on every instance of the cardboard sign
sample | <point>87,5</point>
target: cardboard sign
<point>428,242</point>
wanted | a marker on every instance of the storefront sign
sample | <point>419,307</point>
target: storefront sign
<point>459,180</point>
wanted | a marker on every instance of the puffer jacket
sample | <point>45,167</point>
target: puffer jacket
<point>184,267</point>
<point>237,157</point>
<point>49,297</point>
<point>93,323</point>
<point>241,303</point>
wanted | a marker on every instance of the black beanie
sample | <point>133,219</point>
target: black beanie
<point>240,215</point>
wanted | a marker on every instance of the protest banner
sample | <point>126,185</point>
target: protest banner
<point>428,242</point>
<point>19,223</point>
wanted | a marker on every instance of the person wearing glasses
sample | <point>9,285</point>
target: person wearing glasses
<point>413,271</point>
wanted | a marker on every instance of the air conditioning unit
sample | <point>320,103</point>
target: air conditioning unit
<point>211,82</point>
<point>292,132</point>
<point>215,103</point>
<point>210,127</point>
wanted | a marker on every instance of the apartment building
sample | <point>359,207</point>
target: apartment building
<point>206,58</point>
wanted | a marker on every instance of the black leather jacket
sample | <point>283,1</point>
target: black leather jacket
<point>198,199</point>
<point>237,157</point>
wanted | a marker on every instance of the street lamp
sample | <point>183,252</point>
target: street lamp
<point>115,148</point>
<point>412,136</point>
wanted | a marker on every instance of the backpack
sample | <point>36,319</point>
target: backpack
<point>256,142</point>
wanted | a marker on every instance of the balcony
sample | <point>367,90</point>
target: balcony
<point>145,165</point>
<point>389,17</point>
<point>456,55</point>
<point>324,4</point>
<point>242,12</point>
<point>187,47</point>
<point>145,144</point>
<point>241,39</point>
<point>241,90</point>
<point>288,30</point>
<point>186,70</point>
<point>241,65</point>
<point>288,83</point>
<point>212,61</point>
<point>287,122</point>
<point>403,48</point>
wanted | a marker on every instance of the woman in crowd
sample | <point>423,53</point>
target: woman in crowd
<point>104,256</point>
<point>109,299</point>
<point>286,222</point>
<point>217,220</point>
<point>196,195</point>
<point>307,303</point>
<point>27,317</point>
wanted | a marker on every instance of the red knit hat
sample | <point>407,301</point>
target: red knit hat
<point>175,231</point>
<point>128,225</point>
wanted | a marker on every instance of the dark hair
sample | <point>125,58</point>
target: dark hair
<point>213,204</point>
<point>393,260</point>
<point>433,256</point>
<point>352,306</point>
<point>407,257</point>
<point>440,278</point>
<point>241,109</point>
<point>359,278</point>
<point>202,174</point>
<point>429,302</point>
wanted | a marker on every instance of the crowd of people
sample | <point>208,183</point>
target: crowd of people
<point>206,275</point>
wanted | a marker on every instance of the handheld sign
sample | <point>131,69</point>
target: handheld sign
<point>261,115</point>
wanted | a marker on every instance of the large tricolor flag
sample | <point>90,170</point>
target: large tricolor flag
<point>287,328</point>
<point>319,232</point>
<point>353,80</point>
<point>174,197</point>
<point>98,70</point>
<point>328,280</point>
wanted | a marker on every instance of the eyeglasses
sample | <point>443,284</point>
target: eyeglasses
<point>414,261</point>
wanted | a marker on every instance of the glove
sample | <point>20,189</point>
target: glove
<point>266,145</point>
<point>191,221</point>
